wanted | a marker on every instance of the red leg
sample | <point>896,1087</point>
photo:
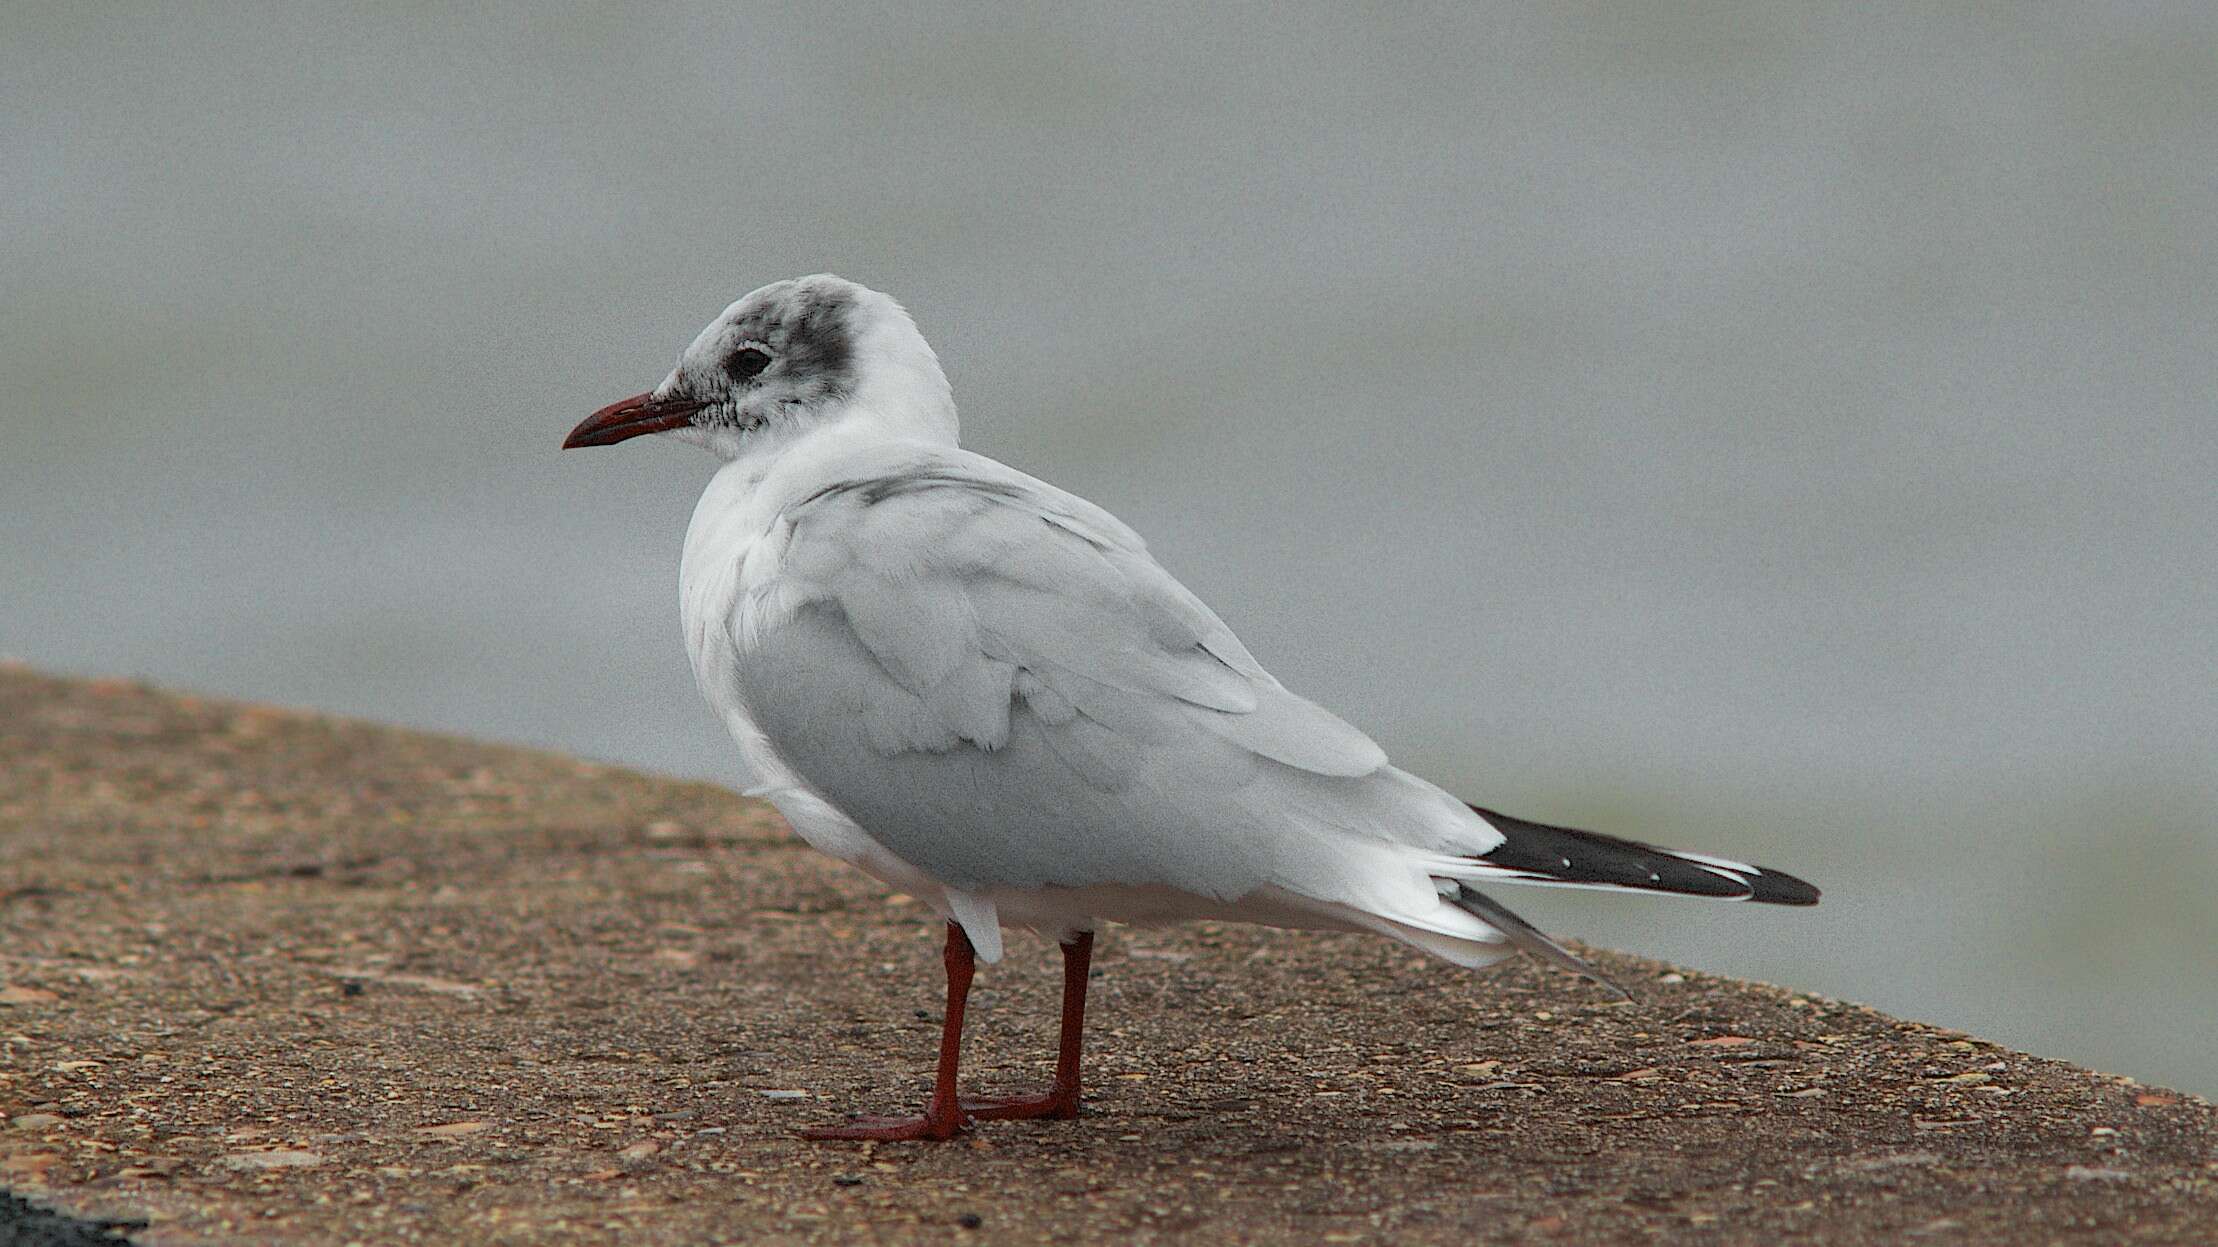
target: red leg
<point>1061,1099</point>
<point>944,1117</point>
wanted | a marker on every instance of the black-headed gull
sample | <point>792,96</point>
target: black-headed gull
<point>985,692</point>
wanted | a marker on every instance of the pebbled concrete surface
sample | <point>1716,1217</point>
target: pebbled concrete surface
<point>269,977</point>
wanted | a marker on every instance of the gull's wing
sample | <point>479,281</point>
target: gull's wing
<point>997,681</point>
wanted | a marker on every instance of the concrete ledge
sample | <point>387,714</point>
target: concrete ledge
<point>272,977</point>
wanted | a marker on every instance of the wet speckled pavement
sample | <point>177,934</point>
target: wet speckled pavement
<point>269,977</point>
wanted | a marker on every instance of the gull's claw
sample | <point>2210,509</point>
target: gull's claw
<point>934,1125</point>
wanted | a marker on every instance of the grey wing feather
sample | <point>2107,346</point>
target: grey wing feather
<point>999,683</point>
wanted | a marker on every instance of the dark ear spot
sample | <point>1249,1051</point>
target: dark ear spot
<point>746,363</point>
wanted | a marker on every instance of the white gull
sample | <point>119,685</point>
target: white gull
<point>985,692</point>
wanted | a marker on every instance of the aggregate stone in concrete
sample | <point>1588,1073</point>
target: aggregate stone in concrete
<point>269,977</point>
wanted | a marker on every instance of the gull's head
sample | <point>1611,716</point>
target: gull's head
<point>790,359</point>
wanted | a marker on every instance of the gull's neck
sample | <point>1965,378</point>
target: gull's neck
<point>902,389</point>
<point>770,472</point>
<point>743,501</point>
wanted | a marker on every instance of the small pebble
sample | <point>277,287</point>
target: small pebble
<point>970,1221</point>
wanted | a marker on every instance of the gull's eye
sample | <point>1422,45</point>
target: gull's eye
<point>746,363</point>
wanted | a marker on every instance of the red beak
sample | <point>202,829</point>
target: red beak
<point>640,414</point>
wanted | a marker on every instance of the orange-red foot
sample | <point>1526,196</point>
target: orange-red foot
<point>1057,1104</point>
<point>933,1126</point>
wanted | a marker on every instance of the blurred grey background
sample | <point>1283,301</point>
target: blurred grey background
<point>1779,432</point>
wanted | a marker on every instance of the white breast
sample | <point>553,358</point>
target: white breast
<point>731,591</point>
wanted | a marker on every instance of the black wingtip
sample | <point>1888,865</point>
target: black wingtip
<point>1773,888</point>
<point>1565,854</point>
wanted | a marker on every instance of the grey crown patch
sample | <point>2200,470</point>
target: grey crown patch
<point>811,341</point>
